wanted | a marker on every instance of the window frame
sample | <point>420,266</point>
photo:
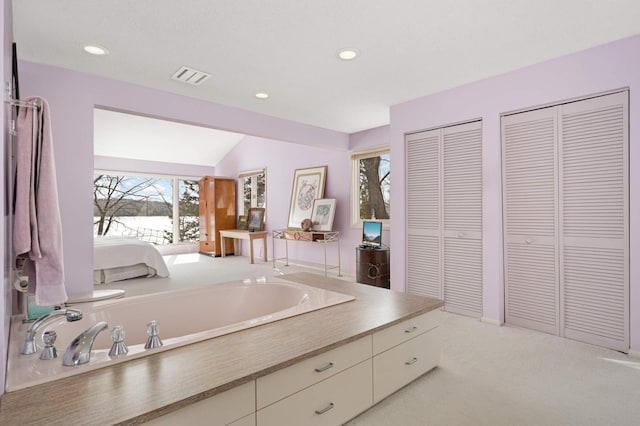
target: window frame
<point>175,199</point>
<point>356,156</point>
<point>254,185</point>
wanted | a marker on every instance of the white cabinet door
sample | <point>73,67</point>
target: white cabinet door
<point>330,402</point>
<point>221,409</point>
<point>566,224</point>
<point>424,276</point>
<point>462,218</point>
<point>444,216</point>
<point>529,142</point>
<point>594,244</point>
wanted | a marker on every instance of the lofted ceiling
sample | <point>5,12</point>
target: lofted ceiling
<point>287,48</point>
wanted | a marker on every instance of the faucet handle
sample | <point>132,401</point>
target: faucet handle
<point>49,351</point>
<point>153,330</point>
<point>118,347</point>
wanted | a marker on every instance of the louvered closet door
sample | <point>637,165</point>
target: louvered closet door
<point>462,218</point>
<point>423,214</point>
<point>593,206</point>
<point>530,219</point>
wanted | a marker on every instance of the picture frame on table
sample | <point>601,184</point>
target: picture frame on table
<point>255,219</point>
<point>308,185</point>
<point>323,212</point>
<point>242,222</point>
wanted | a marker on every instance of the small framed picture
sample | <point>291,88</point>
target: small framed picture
<point>255,219</point>
<point>324,209</point>
<point>242,222</point>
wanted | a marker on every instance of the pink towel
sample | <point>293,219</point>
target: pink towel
<point>37,228</point>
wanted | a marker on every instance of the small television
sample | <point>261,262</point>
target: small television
<point>371,234</point>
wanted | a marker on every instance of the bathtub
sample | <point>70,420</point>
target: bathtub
<point>184,317</point>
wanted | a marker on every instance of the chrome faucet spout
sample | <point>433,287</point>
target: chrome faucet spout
<point>79,351</point>
<point>29,346</point>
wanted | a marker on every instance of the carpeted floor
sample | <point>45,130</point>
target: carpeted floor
<point>488,375</point>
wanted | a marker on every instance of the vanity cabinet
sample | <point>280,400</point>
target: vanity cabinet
<point>327,389</point>
<point>234,407</point>
<point>285,382</point>
<point>404,352</point>
<point>217,212</point>
<point>330,402</point>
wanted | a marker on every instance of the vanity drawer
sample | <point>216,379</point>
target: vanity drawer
<point>329,402</point>
<point>221,409</point>
<point>403,363</point>
<point>394,335</point>
<point>282,383</point>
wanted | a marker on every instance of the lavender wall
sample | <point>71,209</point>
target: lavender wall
<point>72,97</point>
<point>605,68</point>
<point>281,159</point>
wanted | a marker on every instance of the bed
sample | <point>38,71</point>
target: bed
<point>122,258</point>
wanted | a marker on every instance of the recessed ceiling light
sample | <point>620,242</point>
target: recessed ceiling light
<point>96,50</point>
<point>348,54</point>
<point>262,95</point>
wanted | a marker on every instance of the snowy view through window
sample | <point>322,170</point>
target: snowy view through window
<point>143,207</point>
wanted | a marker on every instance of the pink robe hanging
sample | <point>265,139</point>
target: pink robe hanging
<point>37,228</point>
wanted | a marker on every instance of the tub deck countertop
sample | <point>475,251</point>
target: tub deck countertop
<point>137,391</point>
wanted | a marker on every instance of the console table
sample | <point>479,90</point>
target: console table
<point>314,237</point>
<point>243,234</point>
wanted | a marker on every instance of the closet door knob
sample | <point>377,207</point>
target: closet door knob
<point>528,241</point>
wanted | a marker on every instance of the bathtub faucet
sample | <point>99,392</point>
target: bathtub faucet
<point>29,346</point>
<point>79,351</point>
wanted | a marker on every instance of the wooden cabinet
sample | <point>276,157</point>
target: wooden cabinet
<point>372,266</point>
<point>217,212</point>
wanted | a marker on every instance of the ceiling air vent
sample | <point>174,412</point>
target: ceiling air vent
<point>190,76</point>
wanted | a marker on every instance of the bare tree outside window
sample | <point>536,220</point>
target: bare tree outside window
<point>374,185</point>
<point>189,223</point>
<point>142,207</point>
<point>253,190</point>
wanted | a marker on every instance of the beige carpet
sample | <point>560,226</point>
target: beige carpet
<point>488,375</point>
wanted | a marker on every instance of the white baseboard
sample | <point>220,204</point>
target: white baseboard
<point>634,354</point>
<point>491,321</point>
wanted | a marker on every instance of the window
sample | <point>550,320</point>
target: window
<point>253,186</point>
<point>371,186</point>
<point>158,209</point>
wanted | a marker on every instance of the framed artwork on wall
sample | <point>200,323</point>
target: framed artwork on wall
<point>255,219</point>
<point>324,209</point>
<point>308,185</point>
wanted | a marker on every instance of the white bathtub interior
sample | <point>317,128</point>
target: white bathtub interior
<point>184,317</point>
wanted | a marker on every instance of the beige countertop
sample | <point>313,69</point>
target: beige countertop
<point>145,388</point>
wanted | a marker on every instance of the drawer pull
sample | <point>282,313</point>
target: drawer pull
<point>411,361</point>
<point>411,330</point>
<point>325,368</point>
<point>325,409</point>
